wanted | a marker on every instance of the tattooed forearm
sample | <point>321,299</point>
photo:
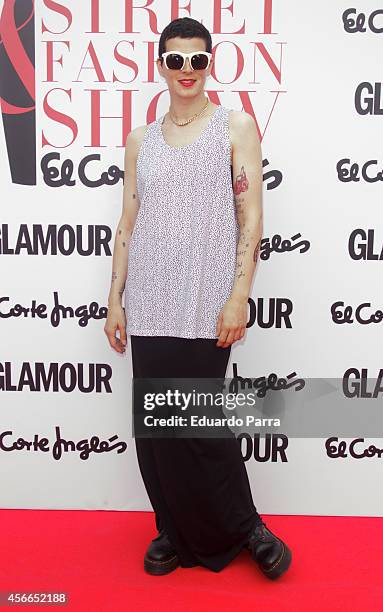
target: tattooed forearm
<point>117,287</point>
<point>247,255</point>
<point>124,232</point>
<point>119,271</point>
<point>242,248</point>
<point>244,241</point>
<point>124,241</point>
<point>249,236</point>
<point>256,251</point>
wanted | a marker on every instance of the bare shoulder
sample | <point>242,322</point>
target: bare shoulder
<point>243,129</point>
<point>240,122</point>
<point>134,140</point>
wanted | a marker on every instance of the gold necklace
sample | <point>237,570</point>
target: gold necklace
<point>191,118</point>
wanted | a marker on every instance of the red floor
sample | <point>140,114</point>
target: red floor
<point>96,557</point>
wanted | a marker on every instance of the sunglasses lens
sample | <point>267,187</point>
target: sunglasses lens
<point>174,61</point>
<point>199,61</point>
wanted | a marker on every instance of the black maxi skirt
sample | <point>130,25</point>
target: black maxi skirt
<point>198,487</point>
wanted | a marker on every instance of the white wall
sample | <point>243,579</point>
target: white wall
<point>308,123</point>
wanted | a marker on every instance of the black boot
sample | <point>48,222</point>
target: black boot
<point>161,556</point>
<point>272,555</point>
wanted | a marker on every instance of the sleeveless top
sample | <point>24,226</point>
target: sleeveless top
<point>182,252</point>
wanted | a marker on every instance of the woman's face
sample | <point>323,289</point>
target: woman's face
<point>173,77</point>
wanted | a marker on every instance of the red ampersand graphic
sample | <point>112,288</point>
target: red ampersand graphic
<point>12,44</point>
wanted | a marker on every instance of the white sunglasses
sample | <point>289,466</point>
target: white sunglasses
<point>198,60</point>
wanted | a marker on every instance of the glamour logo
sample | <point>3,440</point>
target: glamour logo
<point>17,83</point>
<point>84,240</point>
<point>66,377</point>
<point>270,312</point>
<point>362,245</point>
<point>356,383</point>
<point>368,98</point>
<point>270,447</point>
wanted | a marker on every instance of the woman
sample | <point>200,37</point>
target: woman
<point>188,274</point>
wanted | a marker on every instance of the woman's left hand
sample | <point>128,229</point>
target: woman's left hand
<point>231,323</point>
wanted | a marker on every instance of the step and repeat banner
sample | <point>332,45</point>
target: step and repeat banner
<point>75,78</point>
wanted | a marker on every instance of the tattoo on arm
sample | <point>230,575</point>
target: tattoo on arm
<point>240,186</point>
<point>123,241</point>
<point>241,182</point>
<point>242,248</point>
<point>256,251</point>
<point>114,278</point>
<point>123,232</point>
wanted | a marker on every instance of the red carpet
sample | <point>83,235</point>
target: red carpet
<point>96,557</point>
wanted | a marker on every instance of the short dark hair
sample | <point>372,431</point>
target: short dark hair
<point>185,27</point>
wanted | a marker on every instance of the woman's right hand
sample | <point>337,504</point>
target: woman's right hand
<point>116,320</point>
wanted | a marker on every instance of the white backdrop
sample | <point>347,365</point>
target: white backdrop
<point>301,79</point>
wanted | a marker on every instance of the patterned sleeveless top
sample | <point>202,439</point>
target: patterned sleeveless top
<point>182,252</point>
